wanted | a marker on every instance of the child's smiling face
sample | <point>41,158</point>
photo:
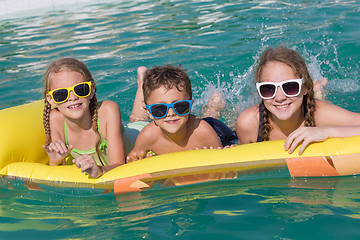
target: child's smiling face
<point>282,107</point>
<point>73,106</point>
<point>171,123</point>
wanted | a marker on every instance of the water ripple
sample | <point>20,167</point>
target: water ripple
<point>207,36</point>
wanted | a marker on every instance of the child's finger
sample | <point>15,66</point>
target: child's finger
<point>46,147</point>
<point>132,157</point>
<point>62,147</point>
<point>69,148</point>
<point>85,166</point>
<point>78,161</point>
<point>142,155</point>
<point>52,148</point>
<point>295,143</point>
<point>56,147</point>
<point>304,144</point>
<point>290,139</point>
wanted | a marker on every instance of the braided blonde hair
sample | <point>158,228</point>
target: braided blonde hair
<point>69,64</point>
<point>298,65</point>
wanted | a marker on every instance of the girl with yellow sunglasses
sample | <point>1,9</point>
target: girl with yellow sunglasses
<point>76,125</point>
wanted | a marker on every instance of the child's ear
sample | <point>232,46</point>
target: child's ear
<point>51,101</point>
<point>306,90</point>
<point>150,116</point>
<point>93,91</point>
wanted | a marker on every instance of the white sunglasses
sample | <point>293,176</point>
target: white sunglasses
<point>290,88</point>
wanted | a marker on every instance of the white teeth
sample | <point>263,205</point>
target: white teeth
<point>282,106</point>
<point>171,121</point>
<point>74,106</point>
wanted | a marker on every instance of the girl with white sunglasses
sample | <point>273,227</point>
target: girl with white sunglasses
<point>288,109</point>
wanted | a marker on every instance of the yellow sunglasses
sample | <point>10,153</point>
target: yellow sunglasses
<point>81,90</point>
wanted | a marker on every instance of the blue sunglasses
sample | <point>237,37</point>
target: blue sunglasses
<point>160,110</point>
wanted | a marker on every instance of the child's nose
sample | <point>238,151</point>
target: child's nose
<point>279,96</point>
<point>171,112</point>
<point>72,95</point>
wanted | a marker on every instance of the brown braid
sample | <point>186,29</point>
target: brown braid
<point>309,102</point>
<point>46,121</point>
<point>298,65</point>
<point>266,127</point>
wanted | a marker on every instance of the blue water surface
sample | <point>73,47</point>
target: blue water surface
<point>218,42</point>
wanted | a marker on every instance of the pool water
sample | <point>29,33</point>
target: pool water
<point>218,42</point>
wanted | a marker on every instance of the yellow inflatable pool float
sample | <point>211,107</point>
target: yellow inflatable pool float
<point>22,157</point>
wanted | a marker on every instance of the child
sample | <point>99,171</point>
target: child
<point>288,109</point>
<point>168,97</point>
<point>75,123</point>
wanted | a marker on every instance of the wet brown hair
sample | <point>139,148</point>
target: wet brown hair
<point>166,76</point>
<point>69,64</point>
<point>298,65</point>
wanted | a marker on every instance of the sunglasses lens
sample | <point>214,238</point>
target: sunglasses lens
<point>182,108</point>
<point>158,110</point>
<point>267,90</point>
<point>291,88</point>
<point>60,95</point>
<point>82,90</point>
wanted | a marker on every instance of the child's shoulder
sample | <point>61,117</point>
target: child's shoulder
<point>151,129</point>
<point>107,105</point>
<point>150,133</point>
<point>195,121</point>
<point>199,125</point>
<point>56,115</point>
<point>324,107</point>
<point>57,120</point>
<point>249,116</point>
<point>108,108</point>
<point>327,113</point>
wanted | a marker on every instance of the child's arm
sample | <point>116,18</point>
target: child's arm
<point>247,125</point>
<point>142,145</point>
<point>114,136</point>
<point>206,136</point>
<point>57,150</point>
<point>331,121</point>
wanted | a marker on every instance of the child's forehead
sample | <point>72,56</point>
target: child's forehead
<point>164,88</point>
<point>65,78</point>
<point>164,94</point>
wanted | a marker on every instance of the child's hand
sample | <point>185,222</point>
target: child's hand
<point>206,147</point>
<point>305,136</point>
<point>57,151</point>
<point>229,146</point>
<point>134,156</point>
<point>87,164</point>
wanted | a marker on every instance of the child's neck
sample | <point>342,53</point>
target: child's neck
<point>83,123</point>
<point>290,125</point>
<point>180,137</point>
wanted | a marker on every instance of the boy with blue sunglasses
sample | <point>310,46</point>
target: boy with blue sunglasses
<point>167,95</point>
